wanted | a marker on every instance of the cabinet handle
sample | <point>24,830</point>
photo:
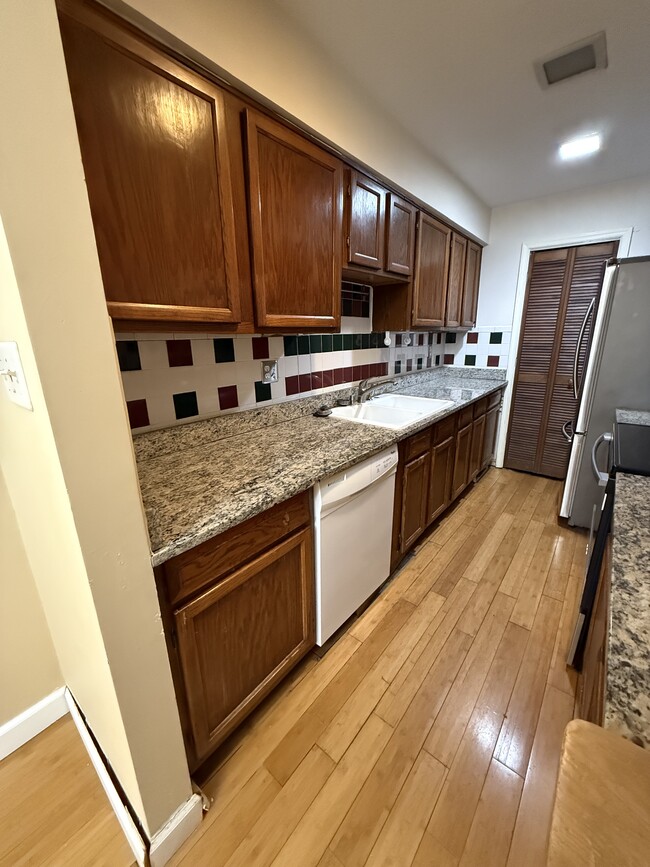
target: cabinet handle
<point>286,518</point>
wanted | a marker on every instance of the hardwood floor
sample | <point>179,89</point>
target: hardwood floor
<point>430,732</point>
<point>53,809</point>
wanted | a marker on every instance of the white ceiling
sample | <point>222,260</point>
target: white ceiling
<point>458,75</point>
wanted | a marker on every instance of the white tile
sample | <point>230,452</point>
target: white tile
<point>288,365</point>
<point>276,347</point>
<point>124,336</point>
<point>304,364</point>
<point>247,371</point>
<point>142,383</point>
<point>203,352</point>
<point>226,373</point>
<point>336,359</point>
<point>318,360</point>
<point>208,400</point>
<point>154,335</point>
<point>243,348</point>
<point>246,394</point>
<point>153,354</point>
<point>278,390</point>
<point>161,409</point>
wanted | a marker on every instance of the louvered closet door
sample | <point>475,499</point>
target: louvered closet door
<point>563,288</point>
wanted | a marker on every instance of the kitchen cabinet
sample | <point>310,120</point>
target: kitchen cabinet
<point>471,277</point>
<point>458,251</point>
<point>157,165</point>
<point>296,212</point>
<point>476,448</point>
<point>442,467</point>
<point>592,682</point>
<point>400,235</point>
<point>365,220</point>
<point>431,272</point>
<point>239,613</point>
<point>462,455</point>
<point>490,433</point>
<point>413,511</point>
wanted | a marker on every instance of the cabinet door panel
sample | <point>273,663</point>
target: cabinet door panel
<point>456,279</point>
<point>461,460</point>
<point>490,436</point>
<point>400,235</point>
<point>470,285</point>
<point>440,476</point>
<point>414,501</point>
<point>154,148</point>
<point>296,202</point>
<point>476,450</point>
<point>240,637</point>
<point>431,272</point>
<point>366,221</point>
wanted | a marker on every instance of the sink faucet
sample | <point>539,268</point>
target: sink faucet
<point>366,386</point>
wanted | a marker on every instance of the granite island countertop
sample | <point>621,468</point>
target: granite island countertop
<point>627,698</point>
<point>633,416</point>
<point>198,480</point>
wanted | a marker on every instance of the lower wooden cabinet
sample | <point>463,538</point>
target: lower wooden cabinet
<point>435,467</point>
<point>462,460</point>
<point>234,640</point>
<point>591,686</point>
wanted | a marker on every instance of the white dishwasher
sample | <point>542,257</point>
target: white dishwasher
<point>353,518</point>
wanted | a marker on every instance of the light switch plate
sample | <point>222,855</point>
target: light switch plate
<point>13,375</point>
<point>270,370</point>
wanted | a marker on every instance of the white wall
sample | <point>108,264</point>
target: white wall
<point>29,669</point>
<point>571,215</point>
<point>69,464</point>
<point>258,44</point>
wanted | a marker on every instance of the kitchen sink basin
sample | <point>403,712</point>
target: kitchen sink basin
<point>392,410</point>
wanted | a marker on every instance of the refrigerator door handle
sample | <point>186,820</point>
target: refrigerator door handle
<point>581,337</point>
<point>601,477</point>
<point>568,434</point>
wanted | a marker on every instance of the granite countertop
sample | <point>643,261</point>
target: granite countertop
<point>627,700</point>
<point>633,416</point>
<point>200,479</point>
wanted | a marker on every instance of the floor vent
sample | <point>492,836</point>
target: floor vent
<point>583,56</point>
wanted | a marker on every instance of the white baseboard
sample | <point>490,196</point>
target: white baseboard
<point>31,722</point>
<point>131,832</point>
<point>175,832</point>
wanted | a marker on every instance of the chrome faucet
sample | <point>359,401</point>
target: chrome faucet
<point>366,386</point>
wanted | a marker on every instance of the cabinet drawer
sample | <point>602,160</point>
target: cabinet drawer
<point>444,429</point>
<point>465,416</point>
<point>212,560</point>
<point>494,399</point>
<point>480,407</point>
<point>417,445</point>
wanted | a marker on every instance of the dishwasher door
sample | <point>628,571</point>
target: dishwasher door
<point>353,513</point>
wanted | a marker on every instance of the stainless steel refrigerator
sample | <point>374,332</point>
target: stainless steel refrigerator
<point>617,375</point>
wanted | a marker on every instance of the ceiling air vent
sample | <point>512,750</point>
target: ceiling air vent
<point>573,60</point>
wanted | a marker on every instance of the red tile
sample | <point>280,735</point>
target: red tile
<point>138,413</point>
<point>348,374</point>
<point>472,337</point>
<point>420,339</point>
<point>317,380</point>
<point>228,397</point>
<point>339,375</point>
<point>260,347</point>
<point>304,381</point>
<point>292,385</point>
<point>448,359</point>
<point>493,361</point>
<point>365,371</point>
<point>383,368</point>
<point>179,353</point>
<point>328,378</point>
<point>439,340</point>
<point>357,371</point>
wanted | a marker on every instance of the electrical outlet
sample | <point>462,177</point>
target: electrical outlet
<point>13,375</point>
<point>270,370</point>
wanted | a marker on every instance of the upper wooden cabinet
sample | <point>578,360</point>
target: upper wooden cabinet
<point>365,219</point>
<point>379,228</point>
<point>296,212</point>
<point>456,279</point>
<point>400,235</point>
<point>431,272</point>
<point>470,285</point>
<point>155,156</point>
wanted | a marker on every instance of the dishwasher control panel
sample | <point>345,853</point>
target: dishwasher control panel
<point>384,463</point>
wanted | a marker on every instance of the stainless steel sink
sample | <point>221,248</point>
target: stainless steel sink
<point>392,410</point>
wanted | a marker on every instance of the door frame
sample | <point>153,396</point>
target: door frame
<point>623,236</point>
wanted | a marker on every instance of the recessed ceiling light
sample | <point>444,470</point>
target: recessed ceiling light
<point>580,147</point>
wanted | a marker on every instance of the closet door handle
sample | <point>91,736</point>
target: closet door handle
<point>581,336</point>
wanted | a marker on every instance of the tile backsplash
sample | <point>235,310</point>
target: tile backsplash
<point>171,378</point>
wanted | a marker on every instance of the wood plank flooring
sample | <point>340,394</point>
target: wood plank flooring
<point>53,809</point>
<point>430,733</point>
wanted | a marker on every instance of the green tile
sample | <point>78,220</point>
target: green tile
<point>262,391</point>
<point>315,343</point>
<point>348,341</point>
<point>303,344</point>
<point>290,344</point>
<point>328,343</point>
<point>337,341</point>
